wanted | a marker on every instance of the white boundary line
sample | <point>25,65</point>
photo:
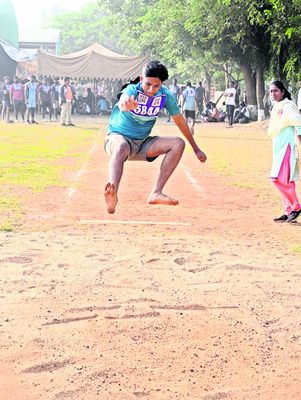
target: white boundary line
<point>192,180</point>
<point>100,222</point>
<point>71,191</point>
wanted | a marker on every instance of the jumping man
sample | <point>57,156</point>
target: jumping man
<point>131,122</point>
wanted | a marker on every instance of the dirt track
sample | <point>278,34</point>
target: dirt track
<point>199,301</point>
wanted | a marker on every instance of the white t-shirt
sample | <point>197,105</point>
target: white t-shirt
<point>230,100</point>
<point>299,99</point>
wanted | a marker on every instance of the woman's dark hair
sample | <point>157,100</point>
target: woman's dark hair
<point>155,69</point>
<point>281,86</point>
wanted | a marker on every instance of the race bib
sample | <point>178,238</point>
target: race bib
<point>149,106</point>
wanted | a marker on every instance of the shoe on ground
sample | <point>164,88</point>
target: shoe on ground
<point>63,124</point>
<point>168,120</point>
<point>27,122</point>
<point>44,120</point>
<point>53,120</point>
<point>293,216</point>
<point>71,125</point>
<point>283,218</point>
<point>34,122</point>
<point>9,122</point>
<point>16,121</point>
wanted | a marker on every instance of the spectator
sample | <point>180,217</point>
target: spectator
<point>6,100</point>
<point>242,114</point>
<point>84,109</point>
<point>100,90</point>
<point>17,98</point>
<point>213,115</point>
<point>46,99</point>
<point>285,130</point>
<point>31,95</point>
<point>230,103</point>
<point>200,91</point>
<point>237,94</point>
<point>102,106</point>
<point>175,91</point>
<point>66,97</point>
<point>189,105</point>
<point>89,99</point>
<point>80,89</point>
<point>55,89</point>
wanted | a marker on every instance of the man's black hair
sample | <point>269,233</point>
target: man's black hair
<point>155,69</point>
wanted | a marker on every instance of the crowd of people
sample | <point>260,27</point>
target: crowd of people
<point>57,100</point>
<point>53,99</point>
<point>192,100</point>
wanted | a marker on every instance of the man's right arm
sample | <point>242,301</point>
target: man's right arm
<point>127,102</point>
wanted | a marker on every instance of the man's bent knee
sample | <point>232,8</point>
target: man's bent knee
<point>178,144</point>
<point>121,149</point>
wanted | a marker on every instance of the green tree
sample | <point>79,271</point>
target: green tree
<point>82,29</point>
<point>196,31</point>
<point>282,19</point>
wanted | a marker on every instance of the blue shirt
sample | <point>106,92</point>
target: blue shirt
<point>31,90</point>
<point>190,95</point>
<point>137,124</point>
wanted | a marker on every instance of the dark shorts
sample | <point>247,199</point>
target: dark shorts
<point>6,103</point>
<point>18,105</point>
<point>46,104</point>
<point>189,114</point>
<point>138,148</point>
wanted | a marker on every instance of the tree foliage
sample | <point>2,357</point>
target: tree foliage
<point>200,33</point>
<point>82,29</point>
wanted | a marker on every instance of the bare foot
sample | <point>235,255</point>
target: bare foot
<point>160,198</point>
<point>110,197</point>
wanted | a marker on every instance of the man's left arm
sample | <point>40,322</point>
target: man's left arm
<point>184,128</point>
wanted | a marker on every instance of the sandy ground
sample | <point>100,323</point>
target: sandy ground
<point>199,301</point>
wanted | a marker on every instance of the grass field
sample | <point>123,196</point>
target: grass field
<point>31,161</point>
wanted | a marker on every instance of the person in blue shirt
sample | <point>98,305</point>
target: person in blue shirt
<point>131,123</point>
<point>189,105</point>
<point>30,95</point>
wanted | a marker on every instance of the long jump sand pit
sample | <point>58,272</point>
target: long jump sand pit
<point>199,301</point>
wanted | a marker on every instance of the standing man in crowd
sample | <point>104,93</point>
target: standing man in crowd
<point>66,97</point>
<point>55,89</point>
<point>6,100</point>
<point>31,95</point>
<point>17,98</point>
<point>230,103</point>
<point>175,91</point>
<point>200,92</point>
<point>189,105</point>
<point>46,99</point>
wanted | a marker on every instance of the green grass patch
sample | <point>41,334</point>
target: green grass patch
<point>297,249</point>
<point>33,158</point>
